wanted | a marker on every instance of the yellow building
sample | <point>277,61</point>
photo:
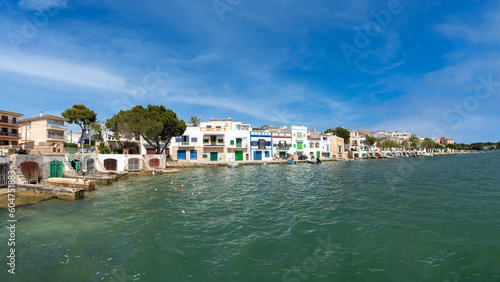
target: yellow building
<point>43,128</point>
<point>9,128</point>
<point>337,147</point>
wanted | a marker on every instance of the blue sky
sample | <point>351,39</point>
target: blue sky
<point>426,67</point>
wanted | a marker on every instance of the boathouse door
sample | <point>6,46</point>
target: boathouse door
<point>154,163</point>
<point>193,155</point>
<point>56,169</point>
<point>133,164</point>
<point>213,156</point>
<point>4,171</point>
<point>30,171</point>
<point>110,164</point>
<point>257,156</point>
<point>181,154</point>
<point>238,155</point>
<point>90,166</point>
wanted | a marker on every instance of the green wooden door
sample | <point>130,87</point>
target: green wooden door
<point>299,145</point>
<point>213,156</point>
<point>56,169</point>
<point>213,140</point>
<point>318,155</point>
<point>238,155</point>
<point>238,143</point>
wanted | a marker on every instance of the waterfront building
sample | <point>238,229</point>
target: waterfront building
<point>299,139</point>
<point>9,128</point>
<point>238,142</point>
<point>337,147</point>
<point>261,145</point>
<point>43,129</point>
<point>215,140</point>
<point>282,144</point>
<point>357,145</point>
<point>318,144</point>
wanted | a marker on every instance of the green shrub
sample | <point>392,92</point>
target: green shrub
<point>103,148</point>
<point>70,145</point>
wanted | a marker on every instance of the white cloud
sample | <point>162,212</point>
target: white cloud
<point>485,32</point>
<point>42,5</point>
<point>60,70</point>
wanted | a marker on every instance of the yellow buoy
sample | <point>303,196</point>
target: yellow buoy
<point>193,185</point>
<point>171,183</point>
<point>156,189</point>
<point>182,186</point>
<point>183,212</point>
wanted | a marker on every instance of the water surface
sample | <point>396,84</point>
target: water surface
<point>421,219</point>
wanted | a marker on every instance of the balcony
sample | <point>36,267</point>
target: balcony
<point>186,144</point>
<point>237,146</point>
<point>8,134</point>
<point>57,126</point>
<point>9,121</point>
<point>212,129</point>
<point>282,148</point>
<point>213,142</point>
<point>283,135</point>
<point>56,137</point>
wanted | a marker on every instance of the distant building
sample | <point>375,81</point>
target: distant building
<point>9,128</point>
<point>444,141</point>
<point>43,129</point>
<point>261,145</point>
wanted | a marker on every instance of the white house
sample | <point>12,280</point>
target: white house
<point>299,139</point>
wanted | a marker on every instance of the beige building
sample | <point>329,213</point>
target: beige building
<point>444,141</point>
<point>9,128</point>
<point>43,128</point>
<point>337,147</point>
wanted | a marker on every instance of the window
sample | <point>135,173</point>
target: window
<point>231,142</point>
<point>206,141</point>
<point>178,139</point>
<point>253,143</point>
<point>299,134</point>
<point>209,127</point>
<point>220,141</point>
<point>295,145</point>
<point>204,156</point>
<point>262,144</point>
<point>267,154</point>
<point>194,139</point>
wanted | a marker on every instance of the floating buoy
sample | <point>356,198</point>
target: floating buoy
<point>192,193</point>
<point>193,185</point>
<point>183,212</point>
<point>182,186</point>
<point>189,179</point>
<point>171,183</point>
<point>156,189</point>
<point>177,185</point>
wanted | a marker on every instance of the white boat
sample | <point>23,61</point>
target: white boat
<point>232,165</point>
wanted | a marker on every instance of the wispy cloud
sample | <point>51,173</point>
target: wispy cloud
<point>42,5</point>
<point>486,31</point>
<point>61,71</point>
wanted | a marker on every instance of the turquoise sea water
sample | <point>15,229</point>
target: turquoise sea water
<point>421,219</point>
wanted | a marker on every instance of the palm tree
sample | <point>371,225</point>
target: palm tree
<point>195,120</point>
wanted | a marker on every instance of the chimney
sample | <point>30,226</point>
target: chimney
<point>41,113</point>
